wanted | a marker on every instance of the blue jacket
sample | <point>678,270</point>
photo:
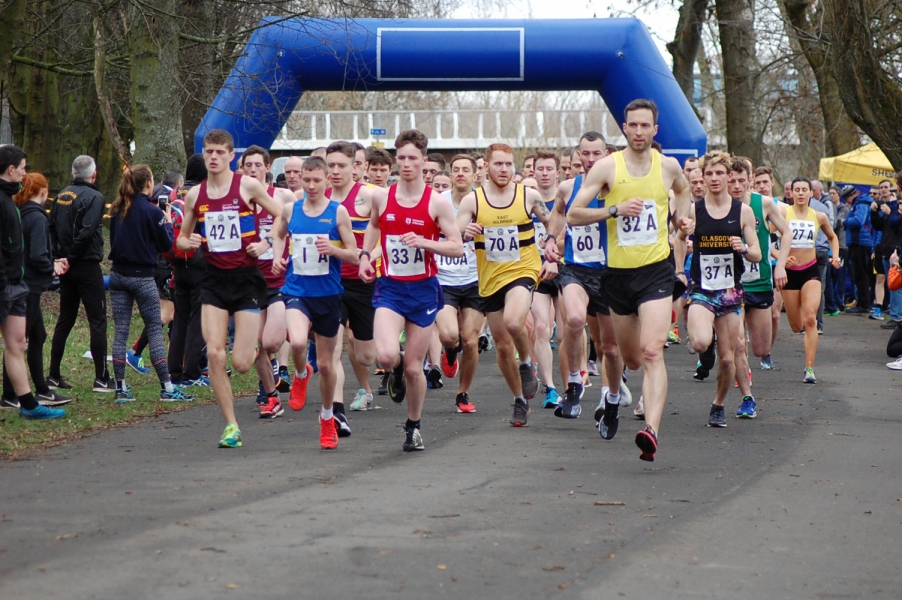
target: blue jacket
<point>136,239</point>
<point>859,231</point>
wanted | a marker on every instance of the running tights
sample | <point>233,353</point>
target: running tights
<point>124,292</point>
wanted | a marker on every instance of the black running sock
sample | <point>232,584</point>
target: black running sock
<point>411,425</point>
<point>283,370</point>
<point>338,408</point>
<point>29,403</point>
<point>451,353</point>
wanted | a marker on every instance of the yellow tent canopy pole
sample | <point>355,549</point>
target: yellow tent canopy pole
<point>866,166</point>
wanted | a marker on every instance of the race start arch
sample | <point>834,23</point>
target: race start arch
<point>285,58</point>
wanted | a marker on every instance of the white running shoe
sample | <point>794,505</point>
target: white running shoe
<point>896,365</point>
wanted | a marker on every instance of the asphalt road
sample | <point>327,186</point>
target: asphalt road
<point>803,502</point>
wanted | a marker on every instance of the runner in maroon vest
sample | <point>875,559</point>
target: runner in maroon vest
<point>224,205</point>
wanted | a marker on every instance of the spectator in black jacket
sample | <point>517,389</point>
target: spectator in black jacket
<point>39,271</point>
<point>14,289</point>
<point>76,229</point>
<point>888,219</point>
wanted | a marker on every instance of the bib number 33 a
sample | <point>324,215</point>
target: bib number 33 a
<point>641,230</point>
<point>223,232</point>
<point>502,244</point>
<point>404,261</point>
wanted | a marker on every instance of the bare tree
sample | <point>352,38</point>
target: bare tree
<point>686,44</point>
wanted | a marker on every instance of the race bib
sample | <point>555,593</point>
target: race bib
<point>717,271</point>
<point>540,236</point>
<point>223,231</point>
<point>305,258</point>
<point>404,261</point>
<point>803,234</point>
<point>502,244</point>
<point>264,233</point>
<point>752,271</point>
<point>586,243</point>
<point>454,267</point>
<point>641,230</point>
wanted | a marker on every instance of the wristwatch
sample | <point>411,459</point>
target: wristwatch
<point>269,240</point>
<point>613,210</point>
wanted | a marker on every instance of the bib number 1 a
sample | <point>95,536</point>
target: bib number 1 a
<point>305,258</point>
<point>641,230</point>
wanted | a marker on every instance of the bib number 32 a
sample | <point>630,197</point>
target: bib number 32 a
<point>404,261</point>
<point>305,258</point>
<point>641,230</point>
<point>223,232</point>
<point>502,244</point>
<point>717,271</point>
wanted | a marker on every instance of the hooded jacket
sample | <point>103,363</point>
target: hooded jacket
<point>76,223</point>
<point>11,270</point>
<point>38,250</point>
<point>859,231</point>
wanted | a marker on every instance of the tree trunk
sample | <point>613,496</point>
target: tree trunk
<point>842,133</point>
<point>153,47</point>
<point>736,23</point>
<point>686,42</point>
<point>871,98</point>
<point>12,17</point>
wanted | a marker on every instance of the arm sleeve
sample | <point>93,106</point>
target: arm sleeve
<point>163,234</point>
<point>854,219</point>
<point>91,220</point>
<point>38,257</point>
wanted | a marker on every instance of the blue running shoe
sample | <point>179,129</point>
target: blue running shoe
<point>552,398</point>
<point>42,412</point>
<point>311,356</point>
<point>747,410</point>
<point>201,381</point>
<point>176,395</point>
<point>136,362</point>
<point>767,363</point>
<point>877,315</point>
<point>124,396</point>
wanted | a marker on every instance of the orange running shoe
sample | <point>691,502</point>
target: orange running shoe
<point>297,398</point>
<point>450,369</point>
<point>328,435</point>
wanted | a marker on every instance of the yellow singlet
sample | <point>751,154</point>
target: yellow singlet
<point>638,241</point>
<point>804,229</point>
<point>506,249</point>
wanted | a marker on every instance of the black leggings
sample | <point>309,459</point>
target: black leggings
<point>124,293</point>
<point>83,283</point>
<point>862,267</point>
<point>894,345</point>
<point>34,354</point>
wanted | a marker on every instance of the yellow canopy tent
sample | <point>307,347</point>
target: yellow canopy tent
<point>866,165</point>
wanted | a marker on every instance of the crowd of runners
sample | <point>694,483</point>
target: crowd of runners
<point>421,265</point>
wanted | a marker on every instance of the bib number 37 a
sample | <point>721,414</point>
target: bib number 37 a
<point>641,230</point>
<point>404,261</point>
<point>223,232</point>
<point>717,271</point>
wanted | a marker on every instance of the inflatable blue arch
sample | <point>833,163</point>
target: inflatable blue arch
<point>285,58</point>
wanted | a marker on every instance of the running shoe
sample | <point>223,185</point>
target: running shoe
<point>124,396</point>
<point>362,401</point>
<point>647,442</point>
<point>11,403</point>
<point>231,437</point>
<point>890,324</point>
<point>552,398</point>
<point>674,338</point>
<point>328,434</point>
<point>689,346</point>
<point>176,395</point>
<point>275,367</point>
<point>528,381</point>
<point>42,412</point>
<point>716,417</point>
<point>521,412</point>
<point>767,363</point>
<point>639,411</point>
<point>51,398</point>
<point>463,403</point>
<point>283,381</point>
<point>297,398</point>
<point>896,365</point>
<point>403,337</point>
<point>832,313</point>
<point>311,356</point>
<point>592,368</point>
<point>342,427</point>
<point>450,369</point>
<point>383,383</point>
<point>809,375</point>
<point>104,386</point>
<point>491,344</point>
<point>262,396</point>
<point>701,372</point>
<point>626,396</point>
<point>610,420</point>
<point>856,311</point>
<point>483,343</point>
<point>748,409</point>
<point>586,381</point>
<point>57,383</point>
<point>413,441</point>
<point>570,408</point>
<point>877,315</point>
<point>136,362</point>
<point>434,378</point>
<point>736,383</point>
<point>397,385</point>
<point>272,409</point>
<point>202,381</point>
